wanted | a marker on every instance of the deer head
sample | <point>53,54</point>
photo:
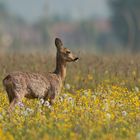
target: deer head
<point>63,53</point>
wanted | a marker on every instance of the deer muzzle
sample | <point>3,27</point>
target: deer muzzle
<point>75,59</point>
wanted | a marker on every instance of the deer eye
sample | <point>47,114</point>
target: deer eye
<point>68,52</point>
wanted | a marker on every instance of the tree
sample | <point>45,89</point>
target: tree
<point>126,22</point>
<point>3,10</point>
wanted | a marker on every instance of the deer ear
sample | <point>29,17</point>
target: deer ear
<point>58,43</point>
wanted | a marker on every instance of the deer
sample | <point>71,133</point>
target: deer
<point>34,85</point>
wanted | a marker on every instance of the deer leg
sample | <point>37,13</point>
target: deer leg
<point>10,97</point>
<point>15,99</point>
<point>12,104</point>
<point>10,94</point>
<point>52,101</point>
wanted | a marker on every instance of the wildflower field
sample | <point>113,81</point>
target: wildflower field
<point>100,100</point>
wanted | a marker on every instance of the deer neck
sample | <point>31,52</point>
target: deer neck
<point>60,67</point>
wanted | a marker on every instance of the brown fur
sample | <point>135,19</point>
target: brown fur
<point>33,85</point>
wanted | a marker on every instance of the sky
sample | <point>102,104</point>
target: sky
<point>32,10</point>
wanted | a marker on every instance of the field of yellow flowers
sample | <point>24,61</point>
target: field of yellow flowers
<point>100,100</point>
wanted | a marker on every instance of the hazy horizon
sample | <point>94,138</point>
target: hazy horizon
<point>33,10</point>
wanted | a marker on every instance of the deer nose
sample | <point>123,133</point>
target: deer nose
<point>76,59</point>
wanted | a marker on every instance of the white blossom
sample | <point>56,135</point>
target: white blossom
<point>46,103</point>
<point>108,116</point>
<point>42,101</point>
<point>67,86</point>
<point>20,104</point>
<point>124,113</point>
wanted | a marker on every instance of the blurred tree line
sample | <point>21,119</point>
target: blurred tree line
<point>101,34</point>
<point>126,22</point>
<point>17,34</point>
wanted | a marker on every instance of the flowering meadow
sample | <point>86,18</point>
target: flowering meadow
<point>100,100</point>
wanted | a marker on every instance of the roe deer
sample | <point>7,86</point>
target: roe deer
<point>33,85</point>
